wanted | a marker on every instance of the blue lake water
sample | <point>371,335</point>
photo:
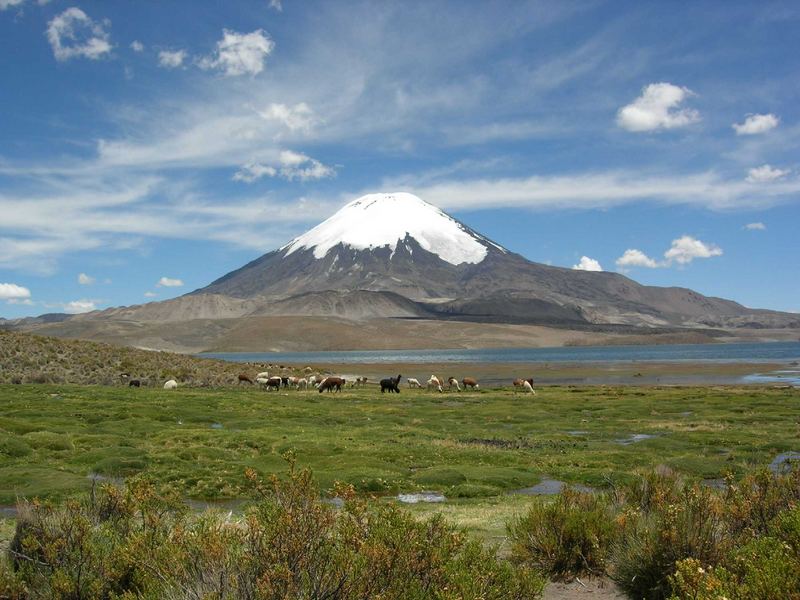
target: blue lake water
<point>749,352</point>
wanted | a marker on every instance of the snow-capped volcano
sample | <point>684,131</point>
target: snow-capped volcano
<point>389,219</point>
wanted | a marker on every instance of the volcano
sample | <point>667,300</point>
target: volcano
<point>395,256</point>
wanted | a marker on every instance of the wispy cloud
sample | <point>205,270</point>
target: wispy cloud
<point>85,279</point>
<point>171,59</point>
<point>766,174</point>
<point>169,282</point>
<point>757,226</point>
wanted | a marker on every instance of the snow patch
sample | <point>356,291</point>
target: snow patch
<point>378,220</point>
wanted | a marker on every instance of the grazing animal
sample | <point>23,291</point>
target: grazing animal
<point>285,381</point>
<point>452,381</point>
<point>526,385</point>
<point>171,385</point>
<point>273,383</point>
<point>263,375</point>
<point>435,384</point>
<point>331,384</point>
<point>392,384</point>
<point>308,370</point>
<point>361,381</point>
<point>302,383</point>
<point>470,382</point>
<point>413,383</point>
<point>244,379</point>
<point>520,383</point>
<point>134,383</point>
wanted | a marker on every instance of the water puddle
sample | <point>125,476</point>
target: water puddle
<point>784,462</point>
<point>418,497</point>
<point>336,502</point>
<point>635,438</point>
<point>216,426</point>
<point>98,478</point>
<point>577,433</point>
<point>714,484</point>
<point>551,487</point>
<point>8,512</point>
<point>784,377</point>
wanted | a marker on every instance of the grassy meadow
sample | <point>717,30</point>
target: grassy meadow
<point>465,445</point>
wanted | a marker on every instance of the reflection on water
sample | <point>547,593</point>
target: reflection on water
<point>785,376</point>
<point>421,497</point>
<point>551,487</point>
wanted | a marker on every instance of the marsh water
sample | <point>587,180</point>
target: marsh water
<point>746,352</point>
<point>770,353</point>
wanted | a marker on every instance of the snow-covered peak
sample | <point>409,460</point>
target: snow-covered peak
<point>383,219</point>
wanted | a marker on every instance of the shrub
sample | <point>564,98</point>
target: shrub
<point>135,543</point>
<point>650,543</point>
<point>566,536</point>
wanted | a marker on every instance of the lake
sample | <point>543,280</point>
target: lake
<point>746,352</point>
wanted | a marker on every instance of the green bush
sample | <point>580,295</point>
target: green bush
<point>441,476</point>
<point>650,543</point>
<point>566,536</point>
<point>135,543</point>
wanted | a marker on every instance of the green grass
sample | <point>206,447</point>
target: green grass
<point>464,445</point>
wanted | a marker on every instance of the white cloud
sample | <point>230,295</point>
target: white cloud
<point>79,306</point>
<point>765,174</point>
<point>150,294</point>
<point>4,4</point>
<point>85,279</point>
<point>299,166</point>
<point>758,226</point>
<point>254,171</point>
<point>273,4</point>
<point>169,282</point>
<point>297,117</point>
<point>73,34</point>
<point>686,248</point>
<point>658,108</point>
<point>587,264</point>
<point>291,165</point>
<point>12,291</point>
<point>171,59</point>
<point>636,258</point>
<point>137,46</point>
<point>240,53</point>
<point>755,124</point>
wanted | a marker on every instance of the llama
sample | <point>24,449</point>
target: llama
<point>413,383</point>
<point>470,382</point>
<point>171,385</point>
<point>452,381</point>
<point>392,384</point>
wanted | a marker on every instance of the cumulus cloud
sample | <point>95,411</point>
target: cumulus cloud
<point>273,4</point>
<point>85,279</point>
<point>150,294</point>
<point>240,53</point>
<point>137,46</point>
<point>636,258</point>
<point>169,282</point>
<point>765,174</point>
<point>587,264</point>
<point>73,34</point>
<point>658,108</point>
<point>755,124</point>
<point>12,291</point>
<point>79,306</point>
<point>291,165</point>
<point>171,59</point>
<point>297,117</point>
<point>758,226</point>
<point>686,248</point>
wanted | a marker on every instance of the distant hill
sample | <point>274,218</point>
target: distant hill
<point>26,358</point>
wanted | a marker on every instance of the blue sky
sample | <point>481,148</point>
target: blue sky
<point>147,148</point>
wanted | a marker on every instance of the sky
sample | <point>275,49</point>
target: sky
<point>148,148</point>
